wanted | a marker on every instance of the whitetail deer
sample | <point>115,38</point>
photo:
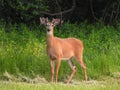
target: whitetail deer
<point>59,49</point>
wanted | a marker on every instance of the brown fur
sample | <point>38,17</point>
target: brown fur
<point>64,48</point>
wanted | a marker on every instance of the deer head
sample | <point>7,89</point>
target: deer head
<point>49,25</point>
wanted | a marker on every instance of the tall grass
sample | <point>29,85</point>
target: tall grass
<point>22,50</point>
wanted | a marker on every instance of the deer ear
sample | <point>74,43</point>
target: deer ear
<point>43,20</point>
<point>55,21</point>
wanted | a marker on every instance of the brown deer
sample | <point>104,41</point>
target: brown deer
<point>62,49</point>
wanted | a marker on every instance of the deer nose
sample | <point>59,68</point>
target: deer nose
<point>48,30</point>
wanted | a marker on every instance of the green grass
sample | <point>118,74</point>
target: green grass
<point>60,86</point>
<point>22,50</point>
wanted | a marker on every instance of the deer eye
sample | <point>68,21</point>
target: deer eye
<point>52,24</point>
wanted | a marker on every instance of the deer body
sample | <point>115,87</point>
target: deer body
<point>62,49</point>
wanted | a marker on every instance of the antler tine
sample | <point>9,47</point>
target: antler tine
<point>42,18</point>
<point>53,20</point>
<point>47,19</point>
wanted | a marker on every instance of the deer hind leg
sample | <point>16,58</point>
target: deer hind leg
<point>73,70</point>
<point>79,59</point>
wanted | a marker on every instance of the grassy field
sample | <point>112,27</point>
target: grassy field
<point>90,85</point>
<point>106,83</point>
<point>23,56</point>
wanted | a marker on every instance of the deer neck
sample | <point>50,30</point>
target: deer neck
<point>50,38</point>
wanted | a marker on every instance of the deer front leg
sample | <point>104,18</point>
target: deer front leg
<point>57,68</point>
<point>52,70</point>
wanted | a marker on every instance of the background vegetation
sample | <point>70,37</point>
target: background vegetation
<point>22,50</point>
<point>28,11</point>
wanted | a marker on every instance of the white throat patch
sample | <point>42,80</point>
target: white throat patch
<point>49,33</point>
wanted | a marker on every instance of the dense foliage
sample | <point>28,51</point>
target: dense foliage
<point>29,11</point>
<point>22,50</point>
